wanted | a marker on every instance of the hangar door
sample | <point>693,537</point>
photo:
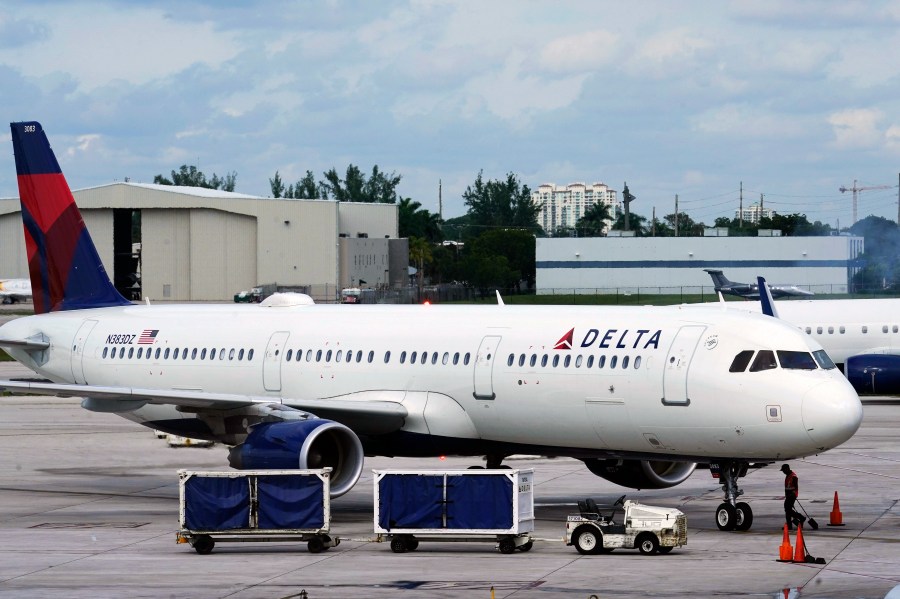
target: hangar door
<point>678,364</point>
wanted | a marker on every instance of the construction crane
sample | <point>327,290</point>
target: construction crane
<point>856,191</point>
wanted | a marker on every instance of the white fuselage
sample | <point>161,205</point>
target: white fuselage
<point>19,288</point>
<point>664,388</point>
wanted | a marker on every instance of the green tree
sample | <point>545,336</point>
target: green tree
<point>501,203</point>
<point>595,221</point>
<point>638,223</point>
<point>306,188</point>
<point>517,246</point>
<point>420,255</point>
<point>881,259</point>
<point>356,187</point>
<point>190,176</point>
<point>277,185</point>
<point>415,221</point>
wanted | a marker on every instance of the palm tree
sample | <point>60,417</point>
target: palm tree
<point>420,254</point>
<point>595,221</point>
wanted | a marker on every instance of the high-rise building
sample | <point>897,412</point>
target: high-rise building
<point>562,206</point>
<point>753,213</point>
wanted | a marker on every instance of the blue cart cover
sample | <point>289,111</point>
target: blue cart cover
<point>410,501</point>
<point>479,502</point>
<point>290,501</point>
<point>216,503</point>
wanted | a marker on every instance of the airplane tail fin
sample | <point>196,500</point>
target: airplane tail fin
<point>719,279</point>
<point>66,271</point>
<point>765,297</point>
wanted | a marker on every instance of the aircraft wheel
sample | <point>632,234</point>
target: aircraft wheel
<point>648,544</point>
<point>744,516</point>
<point>726,516</point>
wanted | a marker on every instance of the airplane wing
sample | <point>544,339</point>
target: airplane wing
<point>371,416</point>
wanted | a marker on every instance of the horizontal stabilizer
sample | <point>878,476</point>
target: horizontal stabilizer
<point>33,344</point>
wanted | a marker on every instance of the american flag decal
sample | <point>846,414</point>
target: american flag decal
<point>148,337</point>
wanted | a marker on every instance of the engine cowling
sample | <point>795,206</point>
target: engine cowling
<point>641,474</point>
<point>306,444</point>
<point>874,373</point>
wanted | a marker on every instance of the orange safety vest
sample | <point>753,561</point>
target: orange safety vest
<point>792,484</point>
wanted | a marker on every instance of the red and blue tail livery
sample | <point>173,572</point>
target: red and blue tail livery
<point>66,271</point>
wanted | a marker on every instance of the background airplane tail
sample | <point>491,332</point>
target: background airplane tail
<point>66,271</point>
<point>719,279</point>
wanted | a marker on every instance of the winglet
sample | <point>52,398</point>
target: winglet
<point>499,299</point>
<point>765,298</point>
<point>66,271</point>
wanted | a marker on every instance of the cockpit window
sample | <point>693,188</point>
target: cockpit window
<point>741,360</point>
<point>765,360</point>
<point>796,360</point>
<point>823,359</point>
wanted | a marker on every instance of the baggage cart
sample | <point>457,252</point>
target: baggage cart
<point>255,505</point>
<point>455,505</point>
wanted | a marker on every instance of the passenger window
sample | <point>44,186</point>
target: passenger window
<point>121,352</point>
<point>130,352</point>
<point>434,358</point>
<point>387,356</point>
<point>590,362</point>
<point>809,330</point>
<point>250,355</point>
<point>424,357</point>
<point>521,360</point>
<point>601,361</point>
<point>510,360</point>
<point>403,357</point>
<point>319,355</point>
<point>157,353</point>
<point>105,351</point>
<point>818,330</point>
<point>203,354</point>
<point>796,360</point>
<point>222,353</point>
<point>578,361</point>
<point>175,354</point>
<point>328,356</point>
<point>371,356</point>
<point>740,362</point>
<point>299,355</point>
<point>865,329</point>
<point>637,362</point>
<point>544,360</point>
<point>625,362</point>
<point>166,355</point>
<point>765,360</point>
<point>309,354</point>
<point>288,355</point>
<point>533,360</point>
<point>446,358</point>
<point>240,355</point>
<point>566,361</point>
<point>612,361</point>
<point>894,329</point>
<point>339,355</point>
<point>831,330</point>
<point>456,358</point>
<point>212,354</point>
<point>413,356</point>
<point>466,359</point>
<point>556,360</point>
<point>884,329</point>
<point>140,352</point>
<point>842,330</point>
<point>231,354</point>
<point>358,356</point>
<point>193,354</point>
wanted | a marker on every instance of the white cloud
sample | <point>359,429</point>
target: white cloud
<point>586,51</point>
<point>83,144</point>
<point>892,138</point>
<point>667,52</point>
<point>746,122</point>
<point>856,128</point>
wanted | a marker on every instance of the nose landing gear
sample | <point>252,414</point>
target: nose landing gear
<point>733,514</point>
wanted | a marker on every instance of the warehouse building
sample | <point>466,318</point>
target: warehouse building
<point>675,264</point>
<point>173,243</point>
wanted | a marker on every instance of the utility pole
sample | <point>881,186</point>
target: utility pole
<point>627,198</point>
<point>653,224</point>
<point>440,200</point>
<point>676,215</point>
<point>741,210</point>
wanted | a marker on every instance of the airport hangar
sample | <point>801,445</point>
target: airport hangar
<point>657,265</point>
<point>196,244</point>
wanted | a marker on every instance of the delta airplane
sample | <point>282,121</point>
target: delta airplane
<point>751,290</point>
<point>862,336</point>
<point>640,394</point>
<point>15,290</point>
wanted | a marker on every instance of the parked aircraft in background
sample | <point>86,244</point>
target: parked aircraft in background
<point>14,291</point>
<point>751,290</point>
<point>640,394</point>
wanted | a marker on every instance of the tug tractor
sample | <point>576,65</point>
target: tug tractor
<point>649,529</point>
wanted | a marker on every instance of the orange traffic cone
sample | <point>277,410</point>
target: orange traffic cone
<point>837,518</point>
<point>786,552</point>
<point>800,550</point>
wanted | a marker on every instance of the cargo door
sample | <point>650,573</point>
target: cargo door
<point>678,363</point>
<point>272,361</point>
<point>484,366</point>
<point>78,345</point>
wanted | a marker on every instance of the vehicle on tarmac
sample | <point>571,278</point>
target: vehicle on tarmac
<point>647,528</point>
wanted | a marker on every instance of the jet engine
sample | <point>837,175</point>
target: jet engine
<point>305,444</point>
<point>874,373</point>
<point>641,474</point>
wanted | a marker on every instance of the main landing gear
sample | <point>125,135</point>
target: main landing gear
<point>733,514</point>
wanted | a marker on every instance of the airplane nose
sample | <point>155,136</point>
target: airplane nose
<point>831,412</point>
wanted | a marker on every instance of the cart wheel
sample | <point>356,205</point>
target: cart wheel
<point>412,543</point>
<point>665,550</point>
<point>526,547</point>
<point>315,545</point>
<point>648,544</point>
<point>398,545</point>
<point>587,540</point>
<point>203,544</point>
<point>507,546</point>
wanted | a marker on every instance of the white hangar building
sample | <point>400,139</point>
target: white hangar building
<point>195,244</point>
<point>675,264</point>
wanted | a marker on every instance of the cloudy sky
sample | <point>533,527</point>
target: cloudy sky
<point>794,99</point>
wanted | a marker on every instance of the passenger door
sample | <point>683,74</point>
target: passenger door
<point>272,361</point>
<point>78,350</point>
<point>484,366</point>
<point>678,363</point>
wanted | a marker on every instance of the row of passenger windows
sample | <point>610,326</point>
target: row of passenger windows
<point>177,353</point>
<point>340,355</point>
<point>567,361</point>
<point>790,360</point>
<point>841,329</point>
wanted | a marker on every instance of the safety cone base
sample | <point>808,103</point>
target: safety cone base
<point>842,524</point>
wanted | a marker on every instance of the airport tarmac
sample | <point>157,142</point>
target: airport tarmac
<point>89,508</point>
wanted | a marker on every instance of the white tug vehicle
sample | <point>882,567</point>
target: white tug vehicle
<point>647,528</point>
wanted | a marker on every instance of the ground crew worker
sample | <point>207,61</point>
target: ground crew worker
<point>791,492</point>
